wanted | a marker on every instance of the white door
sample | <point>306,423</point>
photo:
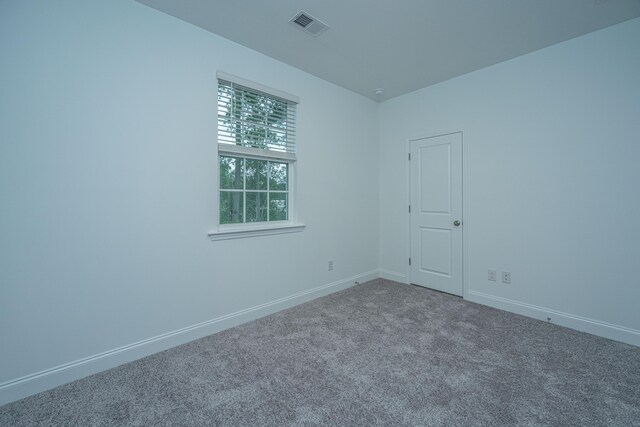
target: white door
<point>436,212</point>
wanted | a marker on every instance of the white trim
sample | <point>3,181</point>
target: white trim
<point>408,203</point>
<point>224,233</point>
<point>221,75</point>
<point>27,385</point>
<point>393,275</point>
<point>254,153</point>
<point>465,215</point>
<point>584,324</point>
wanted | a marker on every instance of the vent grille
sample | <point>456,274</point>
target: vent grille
<point>309,24</point>
<point>303,20</point>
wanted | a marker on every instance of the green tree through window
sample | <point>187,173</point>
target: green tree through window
<point>253,190</point>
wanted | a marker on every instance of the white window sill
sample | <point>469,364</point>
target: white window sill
<point>242,232</point>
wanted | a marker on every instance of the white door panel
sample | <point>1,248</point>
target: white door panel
<point>435,251</point>
<point>436,202</point>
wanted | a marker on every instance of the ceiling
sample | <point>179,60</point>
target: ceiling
<point>398,45</point>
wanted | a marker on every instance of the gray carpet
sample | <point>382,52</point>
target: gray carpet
<point>380,353</point>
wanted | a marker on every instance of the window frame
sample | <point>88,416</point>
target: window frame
<point>251,229</point>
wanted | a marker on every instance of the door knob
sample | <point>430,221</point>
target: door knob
<point>456,223</point>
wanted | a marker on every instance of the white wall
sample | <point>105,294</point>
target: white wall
<point>107,162</point>
<point>107,153</point>
<point>552,161</point>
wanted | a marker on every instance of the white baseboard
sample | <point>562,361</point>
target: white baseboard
<point>19,388</point>
<point>393,275</point>
<point>591,326</point>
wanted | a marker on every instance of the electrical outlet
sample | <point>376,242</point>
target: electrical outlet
<point>330,265</point>
<point>493,275</point>
<point>506,277</point>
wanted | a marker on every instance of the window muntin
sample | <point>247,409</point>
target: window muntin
<point>253,190</point>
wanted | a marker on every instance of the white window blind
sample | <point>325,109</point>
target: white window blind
<point>254,122</point>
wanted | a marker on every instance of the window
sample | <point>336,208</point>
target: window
<point>253,190</point>
<point>256,156</point>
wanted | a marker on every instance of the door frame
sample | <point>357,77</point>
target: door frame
<point>433,134</point>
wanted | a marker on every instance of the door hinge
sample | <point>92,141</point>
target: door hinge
<point>409,156</point>
<point>409,208</point>
<point>409,261</point>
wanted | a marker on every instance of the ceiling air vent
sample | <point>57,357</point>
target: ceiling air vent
<point>308,23</point>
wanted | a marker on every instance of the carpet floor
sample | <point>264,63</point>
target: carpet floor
<point>380,353</point>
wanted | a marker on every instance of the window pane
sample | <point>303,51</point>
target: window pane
<point>253,119</point>
<point>251,103</point>
<point>278,179</point>
<point>256,206</point>
<point>256,175</point>
<point>277,115</point>
<point>231,207</point>
<point>231,173</point>
<point>277,206</point>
